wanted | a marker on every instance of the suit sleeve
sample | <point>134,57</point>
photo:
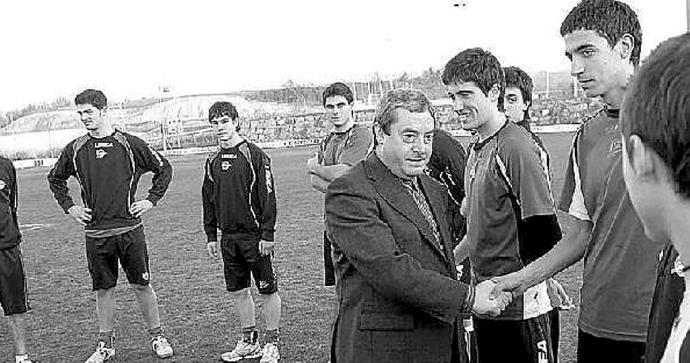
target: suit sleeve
<point>356,228</point>
<point>267,197</point>
<point>208,203</point>
<point>147,160</point>
<point>58,176</point>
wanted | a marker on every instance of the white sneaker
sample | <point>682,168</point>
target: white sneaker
<point>161,347</point>
<point>101,354</point>
<point>22,359</point>
<point>270,353</point>
<point>243,350</point>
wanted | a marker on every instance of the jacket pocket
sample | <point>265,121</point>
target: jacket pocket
<point>370,320</point>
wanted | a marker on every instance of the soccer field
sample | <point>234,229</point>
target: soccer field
<point>195,309</point>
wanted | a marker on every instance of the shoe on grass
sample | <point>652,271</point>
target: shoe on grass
<point>161,346</point>
<point>243,350</point>
<point>101,354</point>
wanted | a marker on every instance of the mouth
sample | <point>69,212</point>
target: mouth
<point>416,160</point>
<point>464,115</point>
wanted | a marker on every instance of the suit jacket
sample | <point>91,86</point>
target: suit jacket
<point>398,297</point>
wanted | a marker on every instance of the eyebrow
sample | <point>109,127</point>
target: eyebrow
<point>579,49</point>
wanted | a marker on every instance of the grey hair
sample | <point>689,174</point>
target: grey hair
<point>412,100</point>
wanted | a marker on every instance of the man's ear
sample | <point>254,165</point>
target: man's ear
<point>494,93</point>
<point>379,135</point>
<point>644,161</point>
<point>625,46</point>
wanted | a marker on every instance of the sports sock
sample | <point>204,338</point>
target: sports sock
<point>250,335</point>
<point>272,336</point>
<point>107,337</point>
<point>157,331</point>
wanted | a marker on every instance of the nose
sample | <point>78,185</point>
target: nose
<point>576,67</point>
<point>457,104</point>
<point>418,145</point>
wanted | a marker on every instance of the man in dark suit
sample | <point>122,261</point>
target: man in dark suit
<point>399,300</point>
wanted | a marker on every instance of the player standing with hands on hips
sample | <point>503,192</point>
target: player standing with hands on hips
<point>108,164</point>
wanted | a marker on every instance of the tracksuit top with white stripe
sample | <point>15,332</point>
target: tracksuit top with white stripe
<point>238,194</point>
<point>9,228</point>
<point>108,170</point>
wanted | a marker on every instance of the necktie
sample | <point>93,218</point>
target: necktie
<point>419,199</point>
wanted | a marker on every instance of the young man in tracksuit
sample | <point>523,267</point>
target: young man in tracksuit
<point>13,297</point>
<point>239,199</point>
<point>346,145</point>
<point>108,164</point>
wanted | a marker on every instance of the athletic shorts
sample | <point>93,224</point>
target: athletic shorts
<point>595,349</point>
<point>328,268</point>
<point>13,297</point>
<point>241,258</point>
<point>525,341</point>
<point>129,248</point>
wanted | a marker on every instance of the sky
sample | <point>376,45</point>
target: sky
<point>130,49</point>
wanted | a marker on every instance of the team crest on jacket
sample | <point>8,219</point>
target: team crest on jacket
<point>225,165</point>
<point>616,146</point>
<point>678,267</point>
<point>100,153</point>
<point>2,184</point>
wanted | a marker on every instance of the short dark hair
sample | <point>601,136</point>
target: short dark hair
<point>478,66</point>
<point>657,107</point>
<point>412,100</point>
<point>609,18</point>
<point>92,97</point>
<point>223,108</point>
<point>337,89</point>
<point>516,77</point>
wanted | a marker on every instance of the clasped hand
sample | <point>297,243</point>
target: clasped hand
<point>488,301</point>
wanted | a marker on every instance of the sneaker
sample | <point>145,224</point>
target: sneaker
<point>22,359</point>
<point>101,354</point>
<point>243,350</point>
<point>270,353</point>
<point>161,346</point>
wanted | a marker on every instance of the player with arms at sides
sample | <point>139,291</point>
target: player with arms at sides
<point>346,145</point>
<point>655,125</point>
<point>13,295</point>
<point>239,199</point>
<point>108,164</point>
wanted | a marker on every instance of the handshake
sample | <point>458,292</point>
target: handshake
<point>489,299</point>
<point>492,296</point>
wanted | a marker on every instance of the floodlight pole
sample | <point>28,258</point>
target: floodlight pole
<point>687,10</point>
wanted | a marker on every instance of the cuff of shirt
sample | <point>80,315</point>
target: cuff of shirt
<point>153,199</point>
<point>267,236</point>
<point>67,205</point>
